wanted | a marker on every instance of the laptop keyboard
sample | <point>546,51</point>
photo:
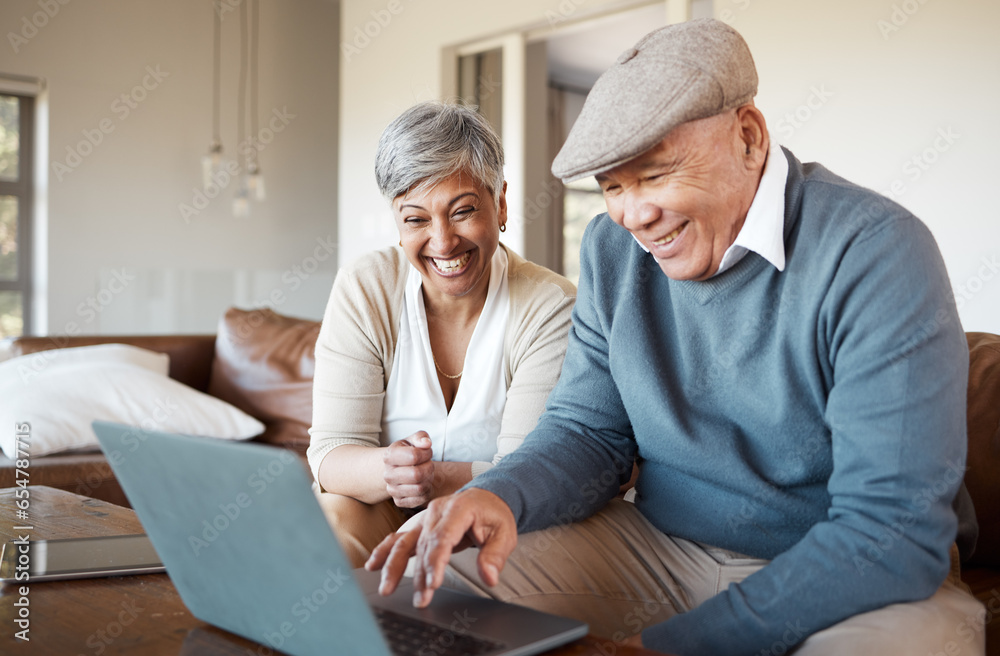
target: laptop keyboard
<point>411,637</point>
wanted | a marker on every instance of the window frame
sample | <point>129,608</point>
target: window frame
<point>23,189</point>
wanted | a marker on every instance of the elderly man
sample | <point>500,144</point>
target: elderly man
<point>792,389</point>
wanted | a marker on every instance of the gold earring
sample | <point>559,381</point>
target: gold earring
<point>400,243</point>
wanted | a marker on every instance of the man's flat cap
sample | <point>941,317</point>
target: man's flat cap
<point>673,75</point>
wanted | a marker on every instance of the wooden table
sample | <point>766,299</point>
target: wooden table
<point>128,614</point>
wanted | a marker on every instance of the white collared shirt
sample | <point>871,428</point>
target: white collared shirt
<point>763,231</point>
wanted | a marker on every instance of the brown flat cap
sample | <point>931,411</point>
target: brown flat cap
<point>675,74</point>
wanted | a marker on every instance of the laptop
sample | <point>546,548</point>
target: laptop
<point>248,548</point>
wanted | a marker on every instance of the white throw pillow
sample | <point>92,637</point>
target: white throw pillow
<point>61,399</point>
<point>26,366</point>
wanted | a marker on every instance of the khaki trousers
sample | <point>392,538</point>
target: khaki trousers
<point>619,574</point>
<point>360,527</point>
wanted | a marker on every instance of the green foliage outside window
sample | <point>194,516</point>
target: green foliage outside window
<point>11,319</point>
<point>582,201</point>
<point>10,137</point>
<point>8,238</point>
<point>14,198</point>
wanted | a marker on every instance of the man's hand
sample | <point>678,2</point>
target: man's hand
<point>470,518</point>
<point>633,641</point>
<point>409,471</point>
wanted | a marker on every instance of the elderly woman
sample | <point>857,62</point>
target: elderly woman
<point>435,358</point>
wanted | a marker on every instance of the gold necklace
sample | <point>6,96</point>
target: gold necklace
<point>440,371</point>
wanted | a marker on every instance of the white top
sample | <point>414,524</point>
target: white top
<point>763,232</point>
<point>413,397</point>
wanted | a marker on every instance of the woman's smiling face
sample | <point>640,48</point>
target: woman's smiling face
<point>449,233</point>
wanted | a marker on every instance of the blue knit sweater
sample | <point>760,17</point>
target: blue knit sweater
<point>815,416</point>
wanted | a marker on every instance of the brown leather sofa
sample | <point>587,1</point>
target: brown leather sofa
<point>981,572</point>
<point>260,361</point>
<point>263,363</point>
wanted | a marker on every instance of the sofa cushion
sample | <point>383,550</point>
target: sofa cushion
<point>190,355</point>
<point>984,444</point>
<point>26,367</point>
<point>264,365</point>
<point>60,400</point>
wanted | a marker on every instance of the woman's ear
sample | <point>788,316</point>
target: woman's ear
<point>502,207</point>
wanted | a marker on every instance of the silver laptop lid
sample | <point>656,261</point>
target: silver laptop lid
<point>209,508</point>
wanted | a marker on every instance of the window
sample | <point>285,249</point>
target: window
<point>16,130</point>
<point>479,84</point>
<point>582,201</point>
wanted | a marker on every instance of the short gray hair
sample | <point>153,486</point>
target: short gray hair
<point>431,141</point>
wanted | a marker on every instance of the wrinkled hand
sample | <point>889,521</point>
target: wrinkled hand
<point>469,518</point>
<point>409,471</point>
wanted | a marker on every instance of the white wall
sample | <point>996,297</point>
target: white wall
<point>383,74</point>
<point>888,93</point>
<point>890,98</point>
<point>119,207</point>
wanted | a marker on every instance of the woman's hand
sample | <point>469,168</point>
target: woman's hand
<point>409,471</point>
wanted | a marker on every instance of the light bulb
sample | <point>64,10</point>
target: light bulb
<point>241,202</point>
<point>255,183</point>
<point>211,164</point>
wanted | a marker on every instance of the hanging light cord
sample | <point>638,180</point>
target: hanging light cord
<point>241,97</point>
<point>254,46</point>
<point>216,74</point>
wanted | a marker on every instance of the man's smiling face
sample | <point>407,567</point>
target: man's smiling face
<point>687,198</point>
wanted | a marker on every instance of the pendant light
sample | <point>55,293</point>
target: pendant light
<point>255,179</point>
<point>241,202</point>
<point>211,163</point>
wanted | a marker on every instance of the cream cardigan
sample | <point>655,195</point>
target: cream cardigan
<point>356,343</point>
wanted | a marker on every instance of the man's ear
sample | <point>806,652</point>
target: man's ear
<point>753,132</point>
